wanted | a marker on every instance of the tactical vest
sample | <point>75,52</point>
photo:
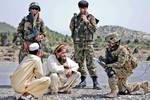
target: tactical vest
<point>81,32</point>
<point>28,25</point>
<point>112,57</point>
<point>132,59</point>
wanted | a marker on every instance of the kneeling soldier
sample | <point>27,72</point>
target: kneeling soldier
<point>119,66</point>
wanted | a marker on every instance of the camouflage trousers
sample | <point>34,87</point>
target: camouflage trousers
<point>22,54</point>
<point>120,80</point>
<point>82,53</point>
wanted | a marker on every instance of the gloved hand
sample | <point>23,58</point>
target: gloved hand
<point>110,72</point>
<point>101,58</point>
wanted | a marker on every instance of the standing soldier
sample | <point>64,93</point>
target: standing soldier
<point>119,66</point>
<point>4,39</point>
<point>83,27</point>
<point>31,29</point>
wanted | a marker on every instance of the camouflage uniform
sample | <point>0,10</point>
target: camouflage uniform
<point>29,28</point>
<point>28,33</point>
<point>46,48</point>
<point>122,63</point>
<point>82,34</point>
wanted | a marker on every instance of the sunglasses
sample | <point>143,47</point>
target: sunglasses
<point>35,8</point>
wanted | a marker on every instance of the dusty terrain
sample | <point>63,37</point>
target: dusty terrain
<point>8,63</point>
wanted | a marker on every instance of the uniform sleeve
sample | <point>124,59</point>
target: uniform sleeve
<point>122,59</point>
<point>53,65</point>
<point>91,24</point>
<point>23,29</point>
<point>20,28</point>
<point>72,26</point>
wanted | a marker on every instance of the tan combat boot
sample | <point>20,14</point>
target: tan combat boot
<point>112,94</point>
<point>144,86</point>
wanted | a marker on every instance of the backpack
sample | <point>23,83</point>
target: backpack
<point>133,59</point>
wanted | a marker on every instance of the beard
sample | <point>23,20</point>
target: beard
<point>61,60</point>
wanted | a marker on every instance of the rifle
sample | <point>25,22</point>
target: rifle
<point>110,72</point>
<point>100,62</point>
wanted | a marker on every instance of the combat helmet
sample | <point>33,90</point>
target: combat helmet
<point>34,5</point>
<point>112,37</point>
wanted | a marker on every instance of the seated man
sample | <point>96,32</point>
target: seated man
<point>28,78</point>
<point>62,71</point>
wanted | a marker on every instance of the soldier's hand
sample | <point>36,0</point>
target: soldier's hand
<point>101,58</point>
<point>38,38</point>
<point>25,46</point>
<point>84,18</point>
<point>42,37</point>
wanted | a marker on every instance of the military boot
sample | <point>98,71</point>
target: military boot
<point>82,84</point>
<point>112,94</point>
<point>144,86</point>
<point>95,83</point>
<point>126,92</point>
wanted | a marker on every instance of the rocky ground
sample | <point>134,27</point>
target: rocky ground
<point>141,73</point>
<point>9,53</point>
<point>78,94</point>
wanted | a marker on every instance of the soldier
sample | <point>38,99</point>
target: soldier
<point>83,27</point>
<point>4,39</point>
<point>119,66</point>
<point>31,29</point>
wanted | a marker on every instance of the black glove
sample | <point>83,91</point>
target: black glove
<point>110,72</point>
<point>101,58</point>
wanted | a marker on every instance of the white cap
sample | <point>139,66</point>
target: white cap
<point>33,46</point>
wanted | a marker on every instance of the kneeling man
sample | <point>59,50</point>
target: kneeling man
<point>28,78</point>
<point>62,71</point>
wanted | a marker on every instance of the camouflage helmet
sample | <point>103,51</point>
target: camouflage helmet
<point>112,37</point>
<point>83,4</point>
<point>34,5</point>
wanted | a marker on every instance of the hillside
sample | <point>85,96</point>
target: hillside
<point>4,27</point>
<point>53,36</point>
<point>126,34</point>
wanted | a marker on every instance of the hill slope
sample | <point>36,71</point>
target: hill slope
<point>126,34</point>
<point>4,27</point>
